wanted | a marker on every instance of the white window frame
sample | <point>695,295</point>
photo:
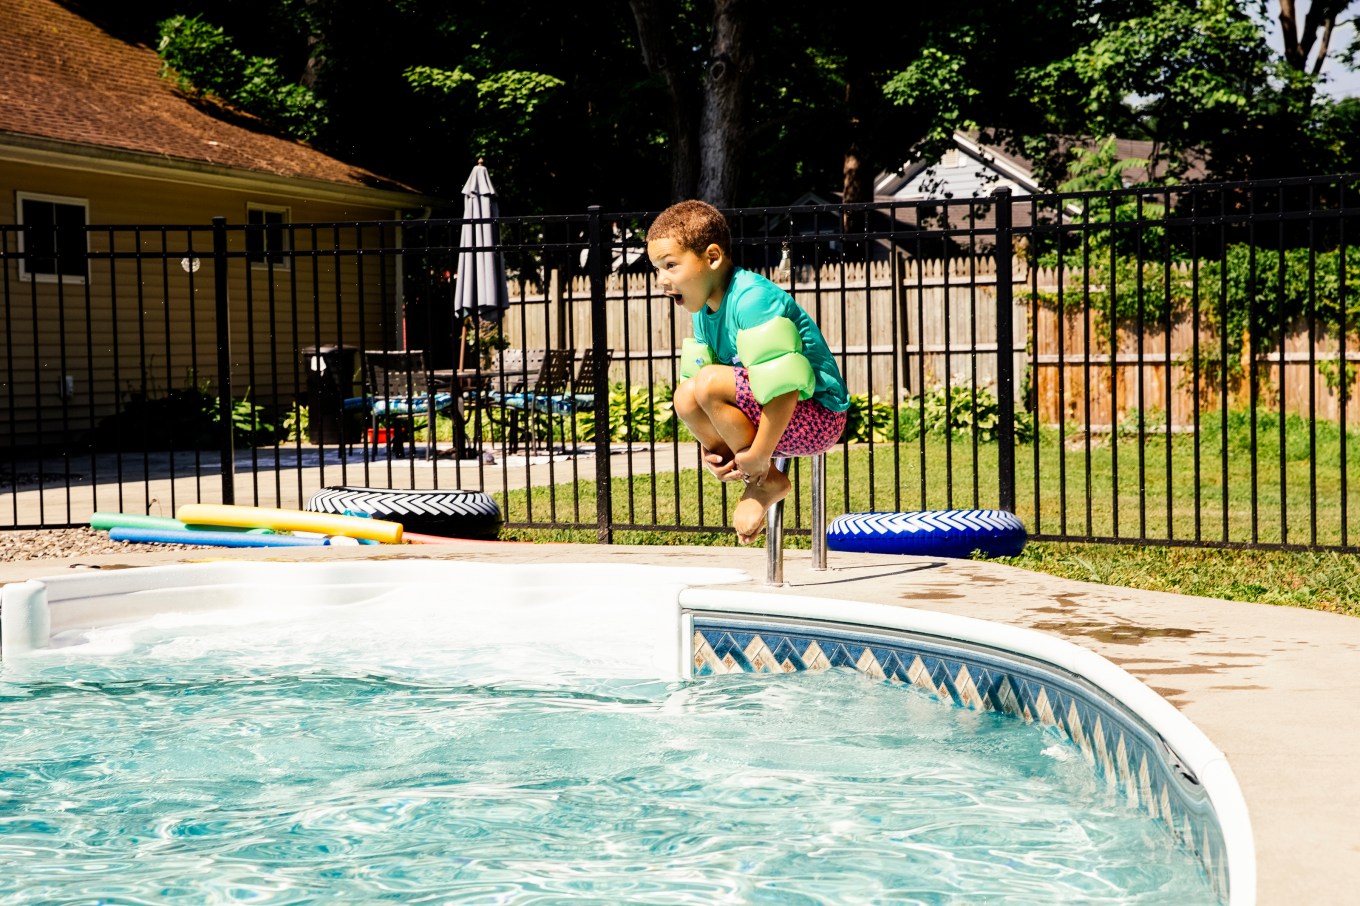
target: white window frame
<point>83,203</point>
<point>284,259</point>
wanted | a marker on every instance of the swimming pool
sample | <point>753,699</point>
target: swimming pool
<point>612,625</point>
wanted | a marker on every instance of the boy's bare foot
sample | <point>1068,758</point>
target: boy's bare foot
<point>749,517</point>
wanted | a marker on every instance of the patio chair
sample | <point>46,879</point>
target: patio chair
<point>526,384</point>
<point>400,393</point>
<point>583,383</point>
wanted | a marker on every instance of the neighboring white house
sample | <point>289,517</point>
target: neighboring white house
<point>968,169</point>
<point>972,169</point>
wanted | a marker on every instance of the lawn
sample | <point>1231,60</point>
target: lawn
<point>1135,494</point>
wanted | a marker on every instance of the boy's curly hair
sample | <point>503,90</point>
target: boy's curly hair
<point>695,225</point>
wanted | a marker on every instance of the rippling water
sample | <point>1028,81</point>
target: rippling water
<point>141,765</point>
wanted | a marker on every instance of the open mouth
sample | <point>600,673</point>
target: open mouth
<point>676,298</point>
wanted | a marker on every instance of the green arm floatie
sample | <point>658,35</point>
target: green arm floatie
<point>773,355</point>
<point>693,356</point>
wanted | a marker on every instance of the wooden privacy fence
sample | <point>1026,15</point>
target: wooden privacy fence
<point>1091,375</point>
<point>895,325</point>
<point>901,326</point>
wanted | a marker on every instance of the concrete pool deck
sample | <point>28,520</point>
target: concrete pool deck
<point>1271,686</point>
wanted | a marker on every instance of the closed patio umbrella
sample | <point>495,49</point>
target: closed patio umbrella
<point>481,291</point>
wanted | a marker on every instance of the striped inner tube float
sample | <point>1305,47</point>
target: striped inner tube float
<point>929,533</point>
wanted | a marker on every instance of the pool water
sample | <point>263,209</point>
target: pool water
<point>198,759</point>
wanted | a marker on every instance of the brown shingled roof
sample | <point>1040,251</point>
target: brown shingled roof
<point>64,79</point>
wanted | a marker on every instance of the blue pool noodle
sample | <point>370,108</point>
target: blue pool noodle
<point>212,539</point>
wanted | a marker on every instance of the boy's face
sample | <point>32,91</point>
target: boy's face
<point>689,278</point>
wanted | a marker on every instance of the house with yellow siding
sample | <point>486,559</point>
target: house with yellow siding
<point>110,177</point>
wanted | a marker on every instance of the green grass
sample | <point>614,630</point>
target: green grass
<point>1131,489</point>
<point>1318,580</point>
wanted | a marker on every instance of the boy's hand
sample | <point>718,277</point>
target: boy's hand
<point>751,467</point>
<point>722,469</point>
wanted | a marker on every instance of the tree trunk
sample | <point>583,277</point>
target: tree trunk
<point>656,44</point>
<point>857,178</point>
<point>1299,43</point>
<point>314,60</point>
<point>721,124</point>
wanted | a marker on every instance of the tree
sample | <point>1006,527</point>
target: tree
<point>750,102</point>
<point>1311,37</point>
<point>705,87</point>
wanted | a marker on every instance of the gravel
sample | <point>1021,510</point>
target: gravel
<point>61,544</point>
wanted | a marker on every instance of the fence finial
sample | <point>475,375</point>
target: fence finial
<point>784,269</point>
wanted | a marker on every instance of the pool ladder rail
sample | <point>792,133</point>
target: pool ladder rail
<point>774,523</point>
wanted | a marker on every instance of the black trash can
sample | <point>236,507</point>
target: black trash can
<point>330,381</point>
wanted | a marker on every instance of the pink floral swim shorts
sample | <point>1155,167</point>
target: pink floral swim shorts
<point>813,428</point>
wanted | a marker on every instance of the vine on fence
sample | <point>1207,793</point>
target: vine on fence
<point>1248,292</point>
<point>1128,269</point>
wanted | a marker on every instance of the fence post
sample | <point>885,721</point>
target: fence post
<point>818,464</point>
<point>1005,351</point>
<point>228,448</point>
<point>599,340</point>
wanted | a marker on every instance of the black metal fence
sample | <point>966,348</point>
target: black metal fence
<point>1155,365</point>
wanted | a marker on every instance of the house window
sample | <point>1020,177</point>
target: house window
<point>267,235</point>
<point>53,241</point>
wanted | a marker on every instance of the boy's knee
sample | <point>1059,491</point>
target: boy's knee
<point>713,384</point>
<point>684,399</point>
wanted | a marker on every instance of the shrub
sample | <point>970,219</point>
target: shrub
<point>958,411</point>
<point>187,418</point>
<point>636,414</point>
<point>868,419</point>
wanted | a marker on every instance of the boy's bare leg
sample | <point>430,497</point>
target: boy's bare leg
<point>749,516</point>
<point>708,405</point>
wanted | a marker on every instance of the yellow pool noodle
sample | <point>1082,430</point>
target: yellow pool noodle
<point>290,521</point>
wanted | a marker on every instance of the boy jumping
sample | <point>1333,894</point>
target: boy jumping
<point>757,378</point>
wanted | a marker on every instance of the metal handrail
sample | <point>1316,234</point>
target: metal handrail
<point>774,524</point>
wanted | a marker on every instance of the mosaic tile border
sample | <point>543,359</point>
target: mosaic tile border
<point>1133,761</point>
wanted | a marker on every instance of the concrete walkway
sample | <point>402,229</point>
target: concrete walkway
<point>158,483</point>
<point>1272,686</point>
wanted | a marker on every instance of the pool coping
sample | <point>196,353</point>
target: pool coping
<point>1269,686</point>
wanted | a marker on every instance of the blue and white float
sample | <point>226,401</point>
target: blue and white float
<point>929,533</point>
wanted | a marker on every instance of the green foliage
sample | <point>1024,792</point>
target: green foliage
<point>1267,288</point>
<point>1192,75</point>
<point>937,88</point>
<point>485,339</point>
<point>565,108</point>
<point>205,60</point>
<point>443,81</point>
<point>297,421</point>
<point>958,411</point>
<point>251,423</point>
<point>1129,273</point>
<point>868,419</point>
<point>187,418</point>
<point>1247,291</point>
<point>499,111</point>
<point>1101,170</point>
<point>636,414</point>
<point>1339,376</point>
